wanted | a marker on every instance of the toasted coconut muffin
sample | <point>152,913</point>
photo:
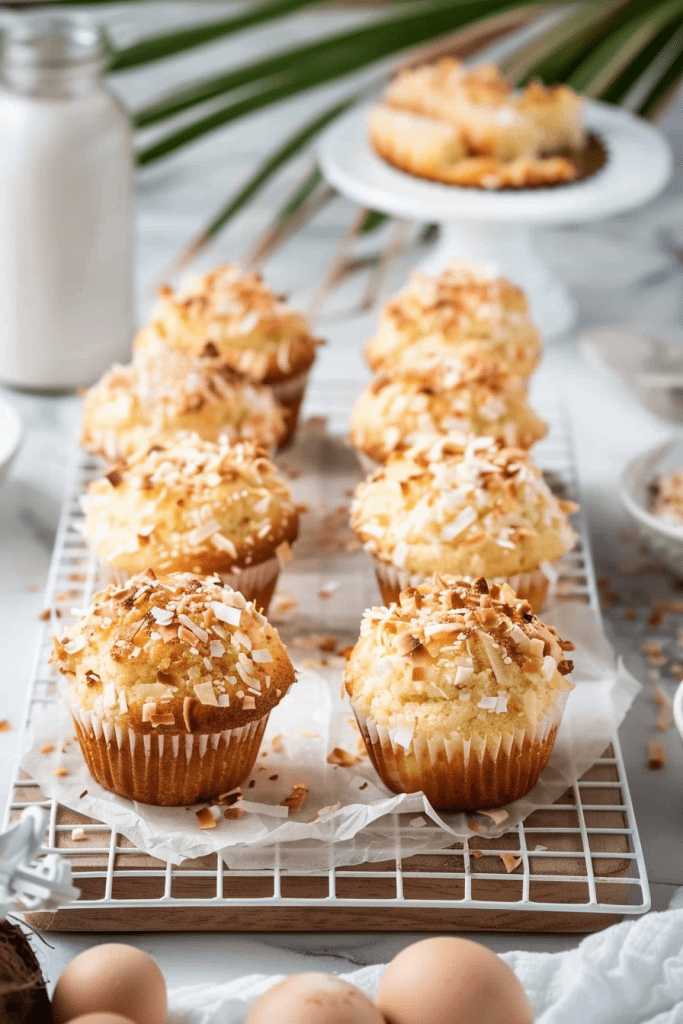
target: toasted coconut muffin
<point>442,323</point>
<point>393,414</point>
<point>458,690</point>
<point>497,139</point>
<point>237,320</point>
<point>155,398</point>
<point>463,507</point>
<point>189,505</point>
<point>170,682</point>
<point>556,110</point>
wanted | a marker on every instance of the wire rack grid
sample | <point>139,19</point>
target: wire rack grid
<point>574,865</point>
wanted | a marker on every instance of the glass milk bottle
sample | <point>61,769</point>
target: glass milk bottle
<point>65,206</point>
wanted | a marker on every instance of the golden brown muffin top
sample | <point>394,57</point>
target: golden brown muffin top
<point>394,413</point>
<point>174,654</point>
<point>190,505</point>
<point>461,506</point>
<point>467,311</point>
<point>154,397</point>
<point>234,318</point>
<point>457,656</point>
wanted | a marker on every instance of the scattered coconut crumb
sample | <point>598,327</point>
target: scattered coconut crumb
<point>44,615</point>
<point>61,771</point>
<point>363,785</point>
<point>48,748</point>
<point>342,758</point>
<point>233,812</point>
<point>652,650</point>
<point>539,848</point>
<point>233,796</point>
<point>510,861</point>
<point>78,835</point>
<point>84,793</point>
<point>477,854</point>
<point>277,743</point>
<point>282,603</point>
<point>329,589</point>
<point>5,726</point>
<point>252,783</point>
<point>272,778</point>
<point>656,756</point>
<point>205,818</point>
<point>297,798</point>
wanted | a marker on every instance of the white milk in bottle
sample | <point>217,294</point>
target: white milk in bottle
<point>65,207</point>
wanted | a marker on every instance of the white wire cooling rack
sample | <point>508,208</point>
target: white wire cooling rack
<point>574,865</point>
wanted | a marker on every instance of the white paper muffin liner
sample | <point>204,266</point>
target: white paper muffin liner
<point>255,582</point>
<point>462,774</point>
<point>531,585</point>
<point>290,394</point>
<point>166,769</point>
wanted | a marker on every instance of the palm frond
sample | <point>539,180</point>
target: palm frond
<point>291,146</point>
<point>332,57</point>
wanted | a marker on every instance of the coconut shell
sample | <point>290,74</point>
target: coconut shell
<point>23,995</point>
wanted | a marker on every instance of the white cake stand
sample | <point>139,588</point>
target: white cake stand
<point>499,227</point>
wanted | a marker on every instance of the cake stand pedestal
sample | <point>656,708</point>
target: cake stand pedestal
<point>500,227</point>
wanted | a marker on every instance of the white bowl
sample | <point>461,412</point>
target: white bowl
<point>10,435</point>
<point>635,492</point>
<point>678,709</point>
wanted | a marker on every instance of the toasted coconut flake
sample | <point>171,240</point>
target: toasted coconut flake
<point>200,633</point>
<point>148,709</point>
<point>226,613</point>
<point>418,822</point>
<point>656,756</point>
<point>342,757</point>
<point>510,861</point>
<point>330,809</point>
<point>78,835</point>
<point>205,693</point>
<point>61,771</point>
<point>166,718</point>
<point>205,818</point>
<point>297,798</point>
<point>329,589</point>
<point>233,812</point>
<point>48,748</point>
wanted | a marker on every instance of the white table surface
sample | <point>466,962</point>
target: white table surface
<point>619,272</point>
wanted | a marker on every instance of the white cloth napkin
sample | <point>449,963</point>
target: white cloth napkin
<point>631,973</point>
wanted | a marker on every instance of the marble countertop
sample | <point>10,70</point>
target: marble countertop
<point>620,273</point>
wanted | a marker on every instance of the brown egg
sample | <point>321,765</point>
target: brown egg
<point>314,998</point>
<point>111,978</point>
<point>101,1018</point>
<point>447,980</point>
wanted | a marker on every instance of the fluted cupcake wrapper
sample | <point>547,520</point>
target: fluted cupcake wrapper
<point>531,586</point>
<point>289,394</point>
<point>166,769</point>
<point>458,774</point>
<point>256,582</point>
